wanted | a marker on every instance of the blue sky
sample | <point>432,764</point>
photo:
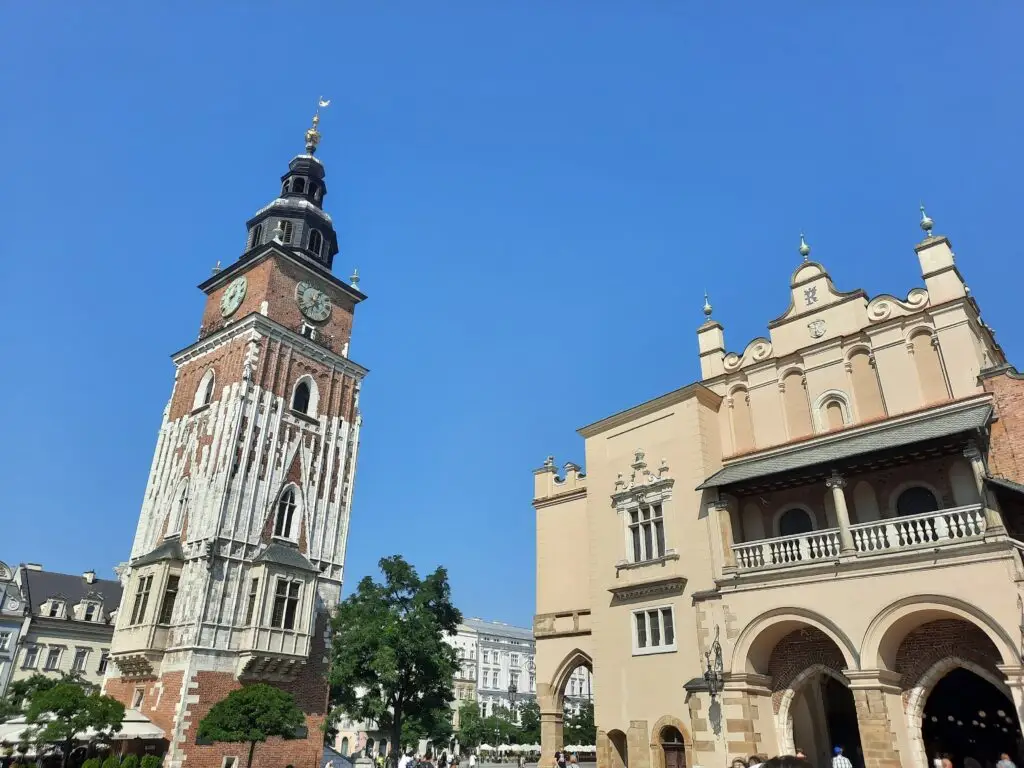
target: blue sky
<point>536,195</point>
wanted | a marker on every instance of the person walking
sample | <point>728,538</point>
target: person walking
<point>472,760</point>
<point>840,760</point>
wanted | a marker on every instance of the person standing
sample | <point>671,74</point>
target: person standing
<point>840,760</point>
<point>472,760</point>
<point>1005,761</point>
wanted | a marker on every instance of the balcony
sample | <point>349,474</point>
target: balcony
<point>934,530</point>
<point>267,653</point>
<point>137,650</point>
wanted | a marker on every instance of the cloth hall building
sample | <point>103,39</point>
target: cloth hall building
<point>239,552</point>
<point>818,543</point>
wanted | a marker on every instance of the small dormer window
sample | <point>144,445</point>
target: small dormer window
<point>55,609</point>
<point>90,612</point>
<point>287,228</point>
<point>285,514</point>
<point>316,242</point>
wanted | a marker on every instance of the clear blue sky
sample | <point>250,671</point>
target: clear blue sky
<point>535,193</point>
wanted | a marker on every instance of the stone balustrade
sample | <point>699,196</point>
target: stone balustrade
<point>934,529</point>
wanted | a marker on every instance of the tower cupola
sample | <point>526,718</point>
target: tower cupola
<point>296,218</point>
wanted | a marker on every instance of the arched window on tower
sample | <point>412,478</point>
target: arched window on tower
<point>285,514</point>
<point>300,400</point>
<point>299,185</point>
<point>204,392</point>
<point>178,513</point>
<point>316,241</point>
<point>288,228</point>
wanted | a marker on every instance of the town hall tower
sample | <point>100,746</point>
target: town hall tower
<point>240,548</point>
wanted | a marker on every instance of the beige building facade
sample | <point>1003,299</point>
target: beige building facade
<point>815,545</point>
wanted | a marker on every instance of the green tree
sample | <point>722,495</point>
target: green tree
<point>20,692</point>
<point>112,762</point>
<point>130,761</point>
<point>471,725</point>
<point>390,661</point>
<point>580,728</point>
<point>529,722</point>
<point>251,715</point>
<point>59,712</point>
<point>434,726</point>
<point>151,761</point>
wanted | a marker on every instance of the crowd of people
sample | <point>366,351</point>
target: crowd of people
<point>840,760</point>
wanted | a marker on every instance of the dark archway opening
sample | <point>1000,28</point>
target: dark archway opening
<point>824,717</point>
<point>968,718</point>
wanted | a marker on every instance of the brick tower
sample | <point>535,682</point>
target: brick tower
<point>240,547</point>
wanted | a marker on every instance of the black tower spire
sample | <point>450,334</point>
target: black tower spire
<point>296,219</point>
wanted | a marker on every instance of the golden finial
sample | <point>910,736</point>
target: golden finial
<point>313,134</point>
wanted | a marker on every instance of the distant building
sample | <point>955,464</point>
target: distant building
<point>67,622</point>
<point>11,617</point>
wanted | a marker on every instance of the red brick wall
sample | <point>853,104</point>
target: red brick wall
<point>796,652</point>
<point>937,640</point>
<point>1006,449</point>
<point>160,699</point>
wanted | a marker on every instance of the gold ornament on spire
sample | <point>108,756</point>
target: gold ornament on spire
<point>313,134</point>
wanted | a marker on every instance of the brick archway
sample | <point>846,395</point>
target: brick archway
<point>916,698</point>
<point>657,752</point>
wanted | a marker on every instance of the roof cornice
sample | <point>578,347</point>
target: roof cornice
<point>256,255</point>
<point>696,390</point>
<point>264,326</point>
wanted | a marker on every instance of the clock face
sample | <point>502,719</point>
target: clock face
<point>233,296</point>
<point>314,303</point>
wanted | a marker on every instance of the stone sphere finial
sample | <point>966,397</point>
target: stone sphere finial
<point>805,249</point>
<point>707,305</point>
<point>926,222</point>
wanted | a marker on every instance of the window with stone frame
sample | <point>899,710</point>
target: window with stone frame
<point>654,630</point>
<point>641,499</point>
<point>250,607</point>
<point>91,611</point>
<point>170,595</point>
<point>54,608</point>
<point>646,532</point>
<point>141,602</point>
<point>101,669</point>
<point>31,657</point>
<point>287,594</point>
<point>80,660</point>
<point>283,523</point>
<point>53,659</point>
<point>5,641</point>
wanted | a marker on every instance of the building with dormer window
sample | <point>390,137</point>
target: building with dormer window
<point>67,623</point>
<point>817,543</point>
<point>239,553</point>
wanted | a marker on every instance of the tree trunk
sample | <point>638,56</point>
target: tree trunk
<point>68,746</point>
<point>252,748</point>
<point>397,748</point>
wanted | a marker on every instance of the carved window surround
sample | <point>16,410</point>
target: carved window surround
<point>649,491</point>
<point>648,590</point>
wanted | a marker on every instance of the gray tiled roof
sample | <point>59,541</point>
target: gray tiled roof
<point>846,447</point>
<point>42,585</point>
<point>282,554</point>
<point>169,550</point>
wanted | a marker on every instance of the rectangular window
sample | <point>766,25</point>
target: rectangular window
<point>81,656</point>
<point>514,659</point>
<point>533,683</point>
<point>647,533</point>
<point>653,631</point>
<point>5,640</point>
<point>250,608</point>
<point>54,609</point>
<point>487,657</point>
<point>137,697</point>
<point>52,659</point>
<point>141,600</point>
<point>90,612</point>
<point>513,679</point>
<point>31,657</point>
<point>104,658</point>
<point>286,604</point>
<point>494,679</point>
<point>170,594</point>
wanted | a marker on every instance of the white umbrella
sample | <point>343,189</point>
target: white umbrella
<point>505,748</point>
<point>485,748</point>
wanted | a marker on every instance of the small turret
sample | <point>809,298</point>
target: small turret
<point>710,344</point>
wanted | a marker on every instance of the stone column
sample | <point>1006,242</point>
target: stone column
<point>722,525</point>
<point>993,520</point>
<point>638,751</point>
<point>837,482</point>
<point>551,738</point>
<point>877,698</point>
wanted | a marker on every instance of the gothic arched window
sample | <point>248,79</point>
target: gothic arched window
<point>300,400</point>
<point>257,235</point>
<point>178,512</point>
<point>316,241</point>
<point>204,392</point>
<point>285,514</point>
<point>287,226</point>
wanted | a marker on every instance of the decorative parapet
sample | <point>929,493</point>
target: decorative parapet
<point>547,483</point>
<point>562,623</point>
